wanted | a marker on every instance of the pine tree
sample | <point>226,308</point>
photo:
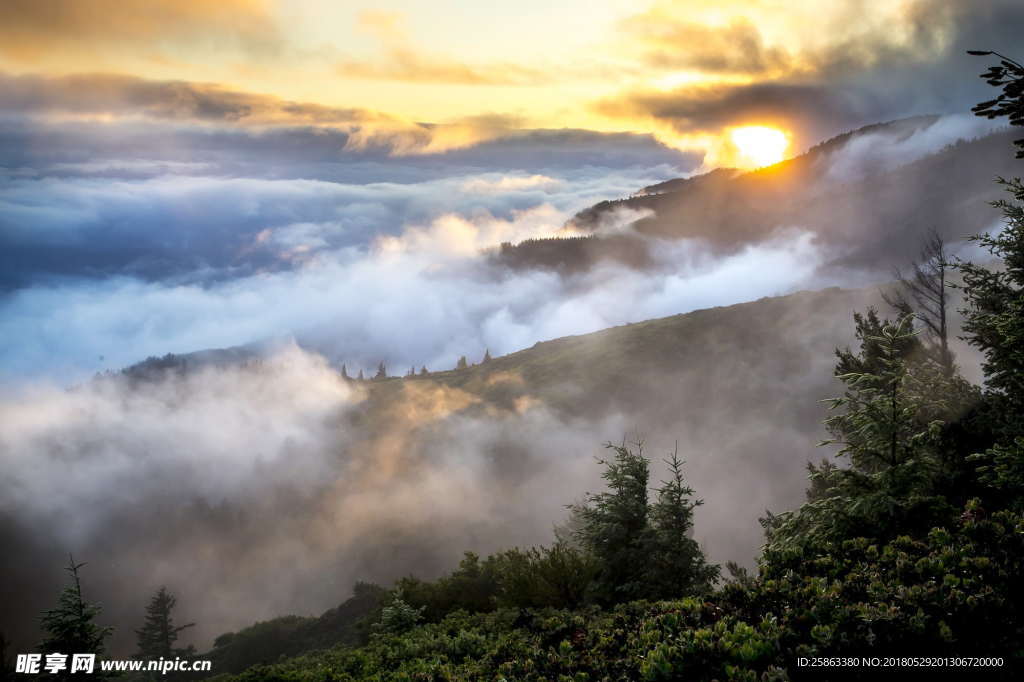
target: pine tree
<point>613,525</point>
<point>70,626</point>
<point>676,565</point>
<point>382,372</point>
<point>888,424</point>
<point>461,364</point>
<point>344,372</point>
<point>487,356</point>
<point>361,377</point>
<point>994,323</point>
<point>156,638</point>
<point>423,371</point>
<point>1009,75</point>
<point>994,313</point>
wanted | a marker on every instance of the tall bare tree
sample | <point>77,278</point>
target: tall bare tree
<point>924,291</point>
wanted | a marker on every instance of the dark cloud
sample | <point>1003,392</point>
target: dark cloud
<point>674,44</point>
<point>809,110</point>
<point>862,79</point>
<point>111,94</point>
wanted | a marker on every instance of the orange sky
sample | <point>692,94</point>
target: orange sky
<point>479,68</point>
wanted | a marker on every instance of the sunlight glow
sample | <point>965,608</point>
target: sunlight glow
<point>759,145</point>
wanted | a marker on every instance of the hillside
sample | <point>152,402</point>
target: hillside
<point>846,190</point>
<point>738,386</point>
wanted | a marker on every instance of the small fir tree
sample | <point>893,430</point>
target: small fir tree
<point>158,634</point>
<point>70,627</point>
<point>676,564</point>
<point>613,525</point>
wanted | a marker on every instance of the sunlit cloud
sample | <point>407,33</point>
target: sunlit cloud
<point>685,70</point>
<point>402,61</point>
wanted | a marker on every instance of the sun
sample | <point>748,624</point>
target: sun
<point>759,145</point>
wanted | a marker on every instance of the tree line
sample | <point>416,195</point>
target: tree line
<point>382,370</point>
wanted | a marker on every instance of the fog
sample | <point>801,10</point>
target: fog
<point>251,492</point>
<point>265,487</point>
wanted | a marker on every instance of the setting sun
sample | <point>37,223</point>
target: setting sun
<point>760,145</point>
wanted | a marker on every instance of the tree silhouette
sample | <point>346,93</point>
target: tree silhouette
<point>70,626</point>
<point>382,372</point>
<point>461,364</point>
<point>158,634</point>
<point>1009,75</point>
<point>925,294</point>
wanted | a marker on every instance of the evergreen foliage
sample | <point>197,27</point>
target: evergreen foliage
<point>675,562</point>
<point>398,616</point>
<point>614,525</point>
<point>158,634</point>
<point>70,626</point>
<point>1008,75</point>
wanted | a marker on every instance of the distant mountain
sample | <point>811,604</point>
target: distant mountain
<point>854,191</point>
<point>155,367</point>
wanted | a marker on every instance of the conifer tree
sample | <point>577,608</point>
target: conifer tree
<point>361,377</point>
<point>1009,75</point>
<point>994,312</point>
<point>382,372</point>
<point>70,626</point>
<point>156,637</point>
<point>344,372</point>
<point>888,424</point>
<point>423,371</point>
<point>676,565</point>
<point>487,356</point>
<point>613,525</point>
<point>461,364</point>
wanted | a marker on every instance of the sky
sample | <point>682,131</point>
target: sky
<point>329,182</point>
<point>684,71</point>
<point>218,158</point>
